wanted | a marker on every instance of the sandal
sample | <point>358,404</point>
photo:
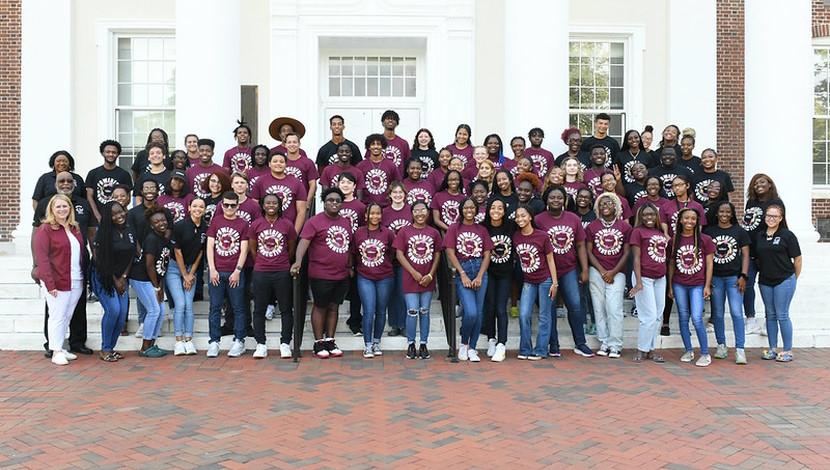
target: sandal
<point>784,357</point>
<point>117,355</point>
<point>657,357</point>
<point>107,357</point>
<point>638,356</point>
<point>769,354</point>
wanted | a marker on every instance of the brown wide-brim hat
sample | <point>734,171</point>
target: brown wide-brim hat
<point>276,124</point>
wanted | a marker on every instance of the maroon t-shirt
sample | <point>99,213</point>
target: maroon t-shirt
<point>532,251</point>
<point>237,159</point>
<point>374,253</point>
<point>281,149</point>
<point>690,266</point>
<point>303,169</point>
<point>608,241</point>
<point>448,205</point>
<point>565,232</point>
<point>465,154</point>
<point>626,208</point>
<point>542,161</point>
<point>670,210</point>
<point>178,206</point>
<point>421,190</point>
<point>254,173</point>
<point>355,211</point>
<point>197,174</point>
<point>468,241</point>
<point>396,219</point>
<point>653,244</point>
<point>331,173</point>
<point>437,177</point>
<point>272,244</point>
<point>573,187</point>
<point>291,190</point>
<point>419,246</point>
<point>376,180</point>
<point>228,235</point>
<point>250,210</point>
<point>643,200</point>
<point>509,164</point>
<point>397,150</point>
<point>329,251</point>
<point>593,179</point>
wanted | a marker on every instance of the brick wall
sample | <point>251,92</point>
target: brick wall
<point>821,28</point>
<point>10,37</point>
<point>730,100</point>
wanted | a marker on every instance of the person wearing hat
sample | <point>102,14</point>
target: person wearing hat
<point>176,197</point>
<point>396,149</point>
<point>101,181</point>
<point>282,126</point>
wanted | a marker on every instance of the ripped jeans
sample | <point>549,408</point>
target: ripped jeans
<point>417,312</point>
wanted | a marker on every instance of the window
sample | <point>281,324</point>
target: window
<point>596,71</point>
<point>372,76</point>
<point>821,115</point>
<point>145,78</point>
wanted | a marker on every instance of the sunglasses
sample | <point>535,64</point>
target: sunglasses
<point>229,206</point>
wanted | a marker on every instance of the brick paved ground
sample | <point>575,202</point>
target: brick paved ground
<point>353,413</point>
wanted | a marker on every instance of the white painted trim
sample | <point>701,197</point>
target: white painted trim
<point>635,44</point>
<point>821,192</point>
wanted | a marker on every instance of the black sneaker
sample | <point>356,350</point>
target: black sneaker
<point>665,331</point>
<point>410,352</point>
<point>332,348</point>
<point>423,352</point>
<point>394,331</point>
<point>320,350</point>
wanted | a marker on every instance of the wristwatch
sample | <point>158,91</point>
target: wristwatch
<point>239,268</point>
<point>742,276</point>
<point>157,288</point>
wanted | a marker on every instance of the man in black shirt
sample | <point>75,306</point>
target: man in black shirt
<point>101,181</point>
<point>65,184</point>
<point>668,170</point>
<point>601,137</point>
<point>327,154</point>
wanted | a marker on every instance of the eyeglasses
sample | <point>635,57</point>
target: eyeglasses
<point>229,206</point>
<point>772,216</point>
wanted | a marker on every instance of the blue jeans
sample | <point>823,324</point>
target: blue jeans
<point>585,302</point>
<point>417,315</point>
<point>569,290</point>
<point>689,300</point>
<point>115,313</point>
<point>236,297</point>
<point>495,307</point>
<point>650,304</point>
<point>146,295</point>
<point>777,305</point>
<point>472,302</point>
<point>182,301</point>
<point>749,292</point>
<point>374,297</point>
<point>142,310</point>
<point>530,294</point>
<point>723,289</point>
<point>396,306</point>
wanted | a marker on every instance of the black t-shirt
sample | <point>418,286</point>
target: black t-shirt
<point>775,255</point>
<point>141,164</point>
<point>160,249</point>
<point>45,186</point>
<point>612,148</point>
<point>103,181</point>
<point>123,249</point>
<point>693,164</point>
<point>667,176</point>
<point>624,160</point>
<point>162,179</point>
<point>429,160</point>
<point>655,154</point>
<point>511,202</point>
<point>635,191</point>
<point>212,204</point>
<point>728,245</point>
<point>587,217</point>
<point>583,157</point>
<point>83,214</point>
<point>701,181</point>
<point>501,256</point>
<point>189,238</point>
<point>536,205</point>
<point>327,155</point>
<point>140,224</point>
<point>753,221</point>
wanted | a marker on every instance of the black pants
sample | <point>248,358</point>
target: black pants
<point>266,288</point>
<point>77,326</point>
<point>495,307</point>
<point>355,321</point>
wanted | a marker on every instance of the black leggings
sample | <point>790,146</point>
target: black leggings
<point>267,287</point>
<point>495,307</point>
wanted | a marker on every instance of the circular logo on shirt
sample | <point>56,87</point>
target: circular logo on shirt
<point>162,261</point>
<point>540,164</point>
<point>657,248</point>
<point>608,241</point>
<point>284,192</point>
<point>270,243</point>
<point>245,215</point>
<point>562,238</point>
<point>752,218</point>
<point>626,173</point>
<point>79,209</point>
<point>427,165</point>
<point>479,218</point>
<point>177,209</point>
<point>103,189</point>
<point>253,180</point>
<point>726,249</point>
<point>376,181</point>
<point>461,157</point>
<point>419,249</point>
<point>418,194</point>
<point>702,190</point>
<point>667,180</point>
<point>595,184</point>
<point>372,252</point>
<point>227,241</point>
<point>449,211</point>
<point>197,185</point>
<point>241,162</point>
<point>469,244</point>
<point>639,195</point>
<point>333,158</point>
<point>295,172</point>
<point>398,224</point>
<point>687,260</point>
<point>337,239</point>
<point>351,215</point>
<point>502,244</point>
<point>571,191</point>
<point>210,209</point>
<point>394,153</point>
<point>528,256</point>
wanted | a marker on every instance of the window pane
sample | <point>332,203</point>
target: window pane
<point>616,98</point>
<point>155,72</point>
<point>616,76</point>
<point>819,129</point>
<point>410,67</point>
<point>347,87</point>
<point>139,48</point>
<point>602,98</point>
<point>819,173</point>
<point>359,66</point>
<point>410,87</point>
<point>124,49</point>
<point>359,87</point>
<point>346,69</point>
<point>371,87</point>
<point>372,66</point>
<point>617,53</point>
<point>820,152</point>
<point>139,95</point>
<point>574,97</point>
<point>385,66</point>
<point>169,49</point>
<point>385,87</point>
<point>397,86</point>
<point>334,66</point>
<point>334,87</point>
<point>397,66</point>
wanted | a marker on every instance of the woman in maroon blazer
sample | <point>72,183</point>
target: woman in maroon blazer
<point>59,249</point>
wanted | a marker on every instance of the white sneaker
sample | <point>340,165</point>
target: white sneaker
<point>179,349</point>
<point>687,356</point>
<point>367,352</point>
<point>613,354</point>
<point>139,333</point>
<point>752,326</point>
<point>500,353</point>
<point>491,347</point>
<point>269,312</point>
<point>376,349</point>
<point>740,356</point>
<point>462,352</point>
<point>285,351</point>
<point>603,350</point>
<point>472,355</point>
<point>261,351</point>
<point>59,358</point>
<point>237,349</point>
<point>213,349</point>
<point>189,348</point>
<point>710,327</point>
<point>69,356</point>
<point>704,360</point>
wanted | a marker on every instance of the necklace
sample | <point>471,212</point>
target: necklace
<point>607,224</point>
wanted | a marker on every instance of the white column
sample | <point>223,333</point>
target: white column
<point>692,68</point>
<point>46,95</point>
<point>779,106</point>
<point>536,34</point>
<point>207,70</point>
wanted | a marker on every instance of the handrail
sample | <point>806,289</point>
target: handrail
<point>299,316</point>
<point>452,337</point>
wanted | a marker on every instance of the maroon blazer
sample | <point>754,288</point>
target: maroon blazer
<point>54,256</point>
